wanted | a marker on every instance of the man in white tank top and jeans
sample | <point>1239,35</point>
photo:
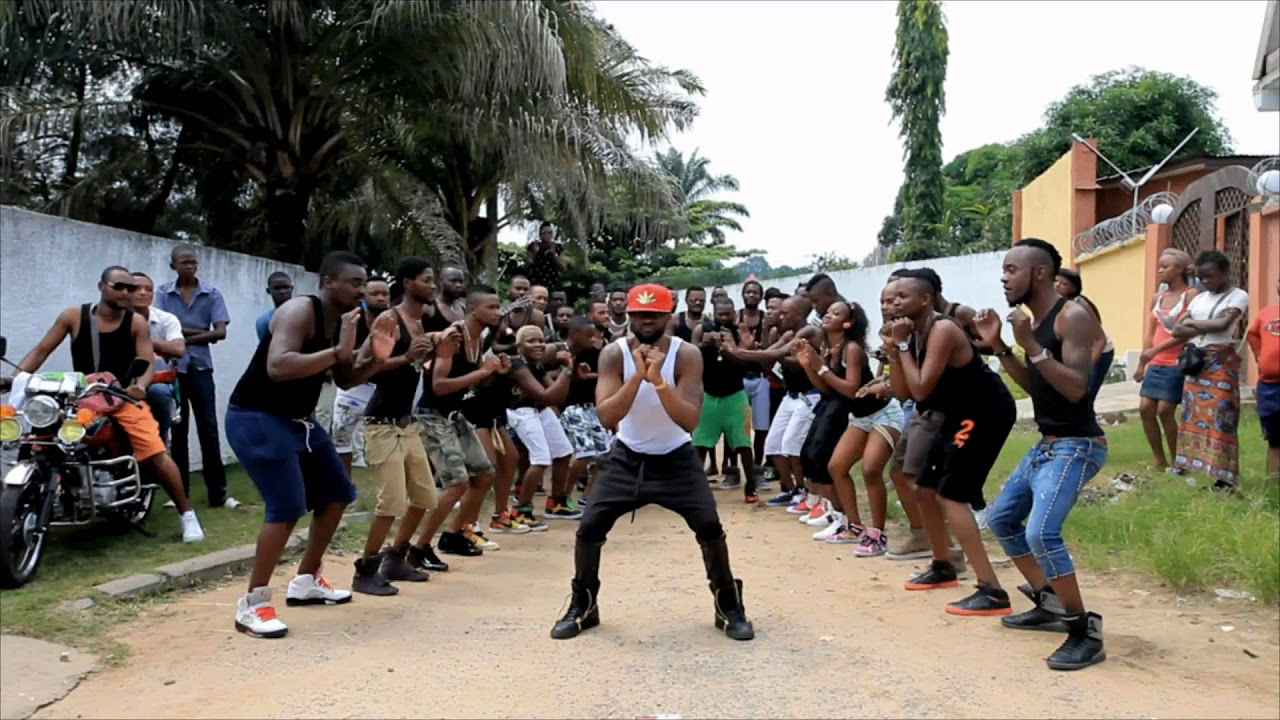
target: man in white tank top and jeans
<point>649,393</point>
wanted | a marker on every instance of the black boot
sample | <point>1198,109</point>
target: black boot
<point>584,610</point>
<point>424,557</point>
<point>369,579</point>
<point>1083,646</point>
<point>395,568</point>
<point>726,591</point>
<point>1045,616</point>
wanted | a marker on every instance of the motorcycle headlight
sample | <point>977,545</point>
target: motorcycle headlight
<point>71,431</point>
<point>10,429</point>
<point>42,411</point>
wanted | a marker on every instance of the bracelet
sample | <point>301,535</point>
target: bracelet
<point>662,386</point>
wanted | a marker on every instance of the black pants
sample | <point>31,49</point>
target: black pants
<point>199,399</point>
<point>629,480</point>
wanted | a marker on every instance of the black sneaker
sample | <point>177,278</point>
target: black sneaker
<point>425,558</point>
<point>457,544</point>
<point>1083,646</point>
<point>369,579</point>
<point>731,481</point>
<point>987,600</point>
<point>1046,616</point>
<point>941,574</point>
<point>396,567</point>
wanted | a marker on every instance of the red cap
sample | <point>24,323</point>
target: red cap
<point>650,297</point>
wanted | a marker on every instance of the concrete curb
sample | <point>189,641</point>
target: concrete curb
<point>190,572</point>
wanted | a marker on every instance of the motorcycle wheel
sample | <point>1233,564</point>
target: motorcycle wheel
<point>19,519</point>
<point>139,516</point>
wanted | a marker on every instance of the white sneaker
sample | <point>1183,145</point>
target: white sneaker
<point>256,618</point>
<point>837,524</point>
<point>823,520</point>
<point>230,503</point>
<point>170,504</point>
<point>314,590</point>
<point>819,518</point>
<point>191,530</point>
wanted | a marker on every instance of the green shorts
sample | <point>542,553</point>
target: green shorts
<point>730,416</point>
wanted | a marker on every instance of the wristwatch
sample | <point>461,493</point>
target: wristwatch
<point>1040,356</point>
<point>903,346</point>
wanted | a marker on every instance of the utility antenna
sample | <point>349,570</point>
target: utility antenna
<point>1136,186</point>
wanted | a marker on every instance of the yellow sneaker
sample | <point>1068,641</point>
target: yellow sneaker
<point>479,540</point>
<point>507,523</point>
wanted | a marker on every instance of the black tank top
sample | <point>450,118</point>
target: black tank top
<point>795,379</point>
<point>294,399</point>
<point>1056,415</point>
<point>867,405</point>
<point>962,389</point>
<point>445,404</point>
<point>394,389</point>
<point>685,333</point>
<point>116,349</point>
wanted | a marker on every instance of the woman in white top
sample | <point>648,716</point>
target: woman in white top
<point>1207,441</point>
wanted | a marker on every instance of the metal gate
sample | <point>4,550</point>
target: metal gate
<point>1222,196</point>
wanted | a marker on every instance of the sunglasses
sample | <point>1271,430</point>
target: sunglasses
<point>123,286</point>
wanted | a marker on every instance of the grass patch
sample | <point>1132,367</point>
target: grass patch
<point>1190,538</point>
<point>76,559</point>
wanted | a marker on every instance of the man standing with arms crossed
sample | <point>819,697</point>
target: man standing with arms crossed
<point>650,390</point>
<point>203,314</point>
<point>1028,514</point>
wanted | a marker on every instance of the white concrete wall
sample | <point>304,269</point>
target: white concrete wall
<point>48,263</point>
<point>972,280</point>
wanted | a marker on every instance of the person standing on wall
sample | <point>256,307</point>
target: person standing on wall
<point>1158,365</point>
<point>280,290</point>
<point>1208,440</point>
<point>545,258</point>
<point>204,317</point>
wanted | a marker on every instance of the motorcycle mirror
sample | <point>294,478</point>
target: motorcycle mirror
<point>137,369</point>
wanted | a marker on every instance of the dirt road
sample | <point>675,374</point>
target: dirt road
<point>836,637</point>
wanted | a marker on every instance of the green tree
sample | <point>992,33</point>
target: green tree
<point>1137,117</point>
<point>831,261</point>
<point>917,99</point>
<point>700,217</point>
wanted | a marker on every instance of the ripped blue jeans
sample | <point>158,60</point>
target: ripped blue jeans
<point>1027,516</point>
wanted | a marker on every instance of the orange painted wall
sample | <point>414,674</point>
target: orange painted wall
<point>1264,268</point>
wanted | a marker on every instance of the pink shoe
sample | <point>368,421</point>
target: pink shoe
<point>850,535</point>
<point>874,543</point>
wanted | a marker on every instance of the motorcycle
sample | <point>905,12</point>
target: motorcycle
<point>74,465</point>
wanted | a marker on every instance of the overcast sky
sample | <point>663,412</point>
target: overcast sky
<point>795,92</point>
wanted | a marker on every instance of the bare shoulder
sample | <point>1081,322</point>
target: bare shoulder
<point>687,353</point>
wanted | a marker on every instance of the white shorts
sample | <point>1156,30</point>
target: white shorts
<point>790,425</point>
<point>541,433</point>
<point>348,412</point>
<point>889,417</point>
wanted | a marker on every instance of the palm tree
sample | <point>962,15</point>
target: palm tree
<point>700,218</point>
<point>288,89</point>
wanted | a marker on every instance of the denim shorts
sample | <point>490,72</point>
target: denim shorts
<point>757,389</point>
<point>1027,516</point>
<point>1162,382</point>
<point>292,462</point>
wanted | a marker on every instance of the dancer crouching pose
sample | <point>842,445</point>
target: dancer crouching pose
<point>650,390</point>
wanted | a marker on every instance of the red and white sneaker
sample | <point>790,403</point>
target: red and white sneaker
<point>803,504</point>
<point>817,516</point>
<point>838,521</point>
<point>256,618</point>
<point>314,590</point>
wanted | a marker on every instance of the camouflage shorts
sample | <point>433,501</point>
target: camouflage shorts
<point>454,448</point>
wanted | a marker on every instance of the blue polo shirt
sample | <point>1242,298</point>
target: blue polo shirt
<point>207,307</point>
<point>264,323</point>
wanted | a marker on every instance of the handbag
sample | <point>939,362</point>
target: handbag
<point>1192,357</point>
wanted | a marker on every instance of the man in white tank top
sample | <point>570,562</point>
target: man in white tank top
<point>650,393</point>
